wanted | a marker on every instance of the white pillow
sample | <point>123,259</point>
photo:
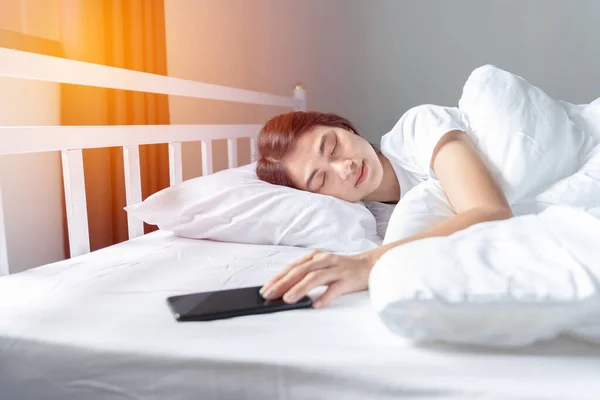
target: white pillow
<point>235,206</point>
<point>528,138</point>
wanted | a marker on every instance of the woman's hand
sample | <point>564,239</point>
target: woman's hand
<point>342,274</point>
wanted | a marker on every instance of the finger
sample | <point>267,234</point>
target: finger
<point>334,291</point>
<point>307,257</point>
<point>311,280</point>
<point>294,276</point>
<point>287,269</point>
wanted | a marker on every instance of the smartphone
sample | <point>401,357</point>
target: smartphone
<point>208,306</point>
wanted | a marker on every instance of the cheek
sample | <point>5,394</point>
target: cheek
<point>376,175</point>
<point>379,174</point>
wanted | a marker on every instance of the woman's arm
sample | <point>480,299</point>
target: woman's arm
<point>472,191</point>
<point>469,185</point>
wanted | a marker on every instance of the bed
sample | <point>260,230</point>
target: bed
<point>96,326</point>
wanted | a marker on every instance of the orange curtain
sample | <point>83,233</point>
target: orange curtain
<point>127,34</point>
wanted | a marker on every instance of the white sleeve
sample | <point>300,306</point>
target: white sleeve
<point>418,132</point>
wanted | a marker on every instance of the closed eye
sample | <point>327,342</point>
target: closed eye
<point>335,146</point>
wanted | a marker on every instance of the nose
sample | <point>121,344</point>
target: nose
<point>344,168</point>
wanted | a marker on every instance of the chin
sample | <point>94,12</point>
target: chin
<point>351,198</point>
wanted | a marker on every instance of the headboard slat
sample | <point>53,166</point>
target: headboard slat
<point>253,150</point>
<point>77,219</point>
<point>207,158</point>
<point>175,163</point>
<point>232,157</point>
<point>133,187</point>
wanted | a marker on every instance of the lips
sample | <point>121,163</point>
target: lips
<point>362,174</point>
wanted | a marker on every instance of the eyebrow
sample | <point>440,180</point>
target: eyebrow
<point>321,151</point>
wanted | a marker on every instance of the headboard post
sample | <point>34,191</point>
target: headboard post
<point>300,94</point>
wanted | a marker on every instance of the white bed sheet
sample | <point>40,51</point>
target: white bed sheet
<point>98,327</point>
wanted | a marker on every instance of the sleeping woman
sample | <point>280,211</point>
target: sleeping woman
<point>324,153</point>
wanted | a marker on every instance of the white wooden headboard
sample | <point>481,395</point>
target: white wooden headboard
<point>70,140</point>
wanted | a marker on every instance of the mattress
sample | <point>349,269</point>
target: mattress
<point>98,327</point>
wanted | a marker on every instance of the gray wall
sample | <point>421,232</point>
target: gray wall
<point>32,191</point>
<point>423,51</point>
<point>372,60</point>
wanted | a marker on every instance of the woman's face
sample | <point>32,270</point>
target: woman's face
<point>335,162</point>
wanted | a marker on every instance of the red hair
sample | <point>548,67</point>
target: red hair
<point>279,135</point>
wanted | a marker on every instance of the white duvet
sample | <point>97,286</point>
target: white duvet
<point>512,282</point>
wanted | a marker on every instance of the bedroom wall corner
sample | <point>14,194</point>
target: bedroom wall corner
<point>32,188</point>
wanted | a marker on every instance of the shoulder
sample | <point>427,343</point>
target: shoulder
<point>428,119</point>
<point>430,114</point>
<point>417,134</point>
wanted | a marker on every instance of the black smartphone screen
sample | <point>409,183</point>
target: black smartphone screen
<point>229,303</point>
